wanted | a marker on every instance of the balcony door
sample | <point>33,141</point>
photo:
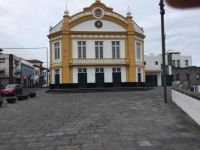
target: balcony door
<point>99,77</point>
<point>82,77</point>
<point>117,77</point>
<point>99,49</point>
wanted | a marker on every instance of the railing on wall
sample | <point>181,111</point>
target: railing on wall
<point>105,61</point>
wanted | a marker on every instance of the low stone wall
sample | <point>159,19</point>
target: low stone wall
<point>189,102</point>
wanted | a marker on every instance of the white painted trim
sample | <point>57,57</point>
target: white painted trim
<point>56,61</point>
<point>138,61</point>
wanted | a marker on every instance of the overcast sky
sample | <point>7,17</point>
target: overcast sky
<point>25,23</point>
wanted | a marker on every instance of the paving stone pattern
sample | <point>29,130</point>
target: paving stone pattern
<point>97,121</point>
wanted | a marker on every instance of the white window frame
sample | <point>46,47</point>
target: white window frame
<point>99,70</point>
<point>82,70</point>
<point>82,49</point>
<point>99,46</point>
<point>54,58</point>
<point>54,73</point>
<point>141,71</point>
<point>141,50</point>
<point>186,63</point>
<point>56,50</point>
<point>116,70</point>
<point>115,49</point>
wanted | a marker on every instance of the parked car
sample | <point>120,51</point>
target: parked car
<point>1,88</point>
<point>12,90</point>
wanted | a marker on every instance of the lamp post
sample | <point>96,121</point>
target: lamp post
<point>162,13</point>
<point>1,49</point>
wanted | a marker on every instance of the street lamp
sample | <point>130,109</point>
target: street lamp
<point>32,48</point>
<point>162,13</point>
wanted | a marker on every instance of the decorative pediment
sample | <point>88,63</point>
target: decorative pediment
<point>98,4</point>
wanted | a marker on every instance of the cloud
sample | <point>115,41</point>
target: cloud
<point>25,23</point>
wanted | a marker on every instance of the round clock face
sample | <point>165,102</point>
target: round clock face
<point>98,12</point>
<point>98,24</point>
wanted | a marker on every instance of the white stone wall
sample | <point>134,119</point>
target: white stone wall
<point>188,104</point>
<point>90,48</point>
<point>91,74</point>
<point>90,26</point>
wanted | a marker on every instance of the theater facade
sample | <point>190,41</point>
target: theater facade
<point>96,47</point>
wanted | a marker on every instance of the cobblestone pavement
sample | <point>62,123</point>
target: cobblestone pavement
<point>97,121</point>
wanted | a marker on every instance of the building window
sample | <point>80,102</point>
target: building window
<point>138,50</point>
<point>81,49</point>
<point>2,60</point>
<point>145,63</point>
<point>173,63</point>
<point>178,63</point>
<point>99,49</point>
<point>156,63</point>
<point>186,62</point>
<point>187,76</point>
<point>56,71</point>
<point>177,77</point>
<point>116,49</point>
<point>198,76</point>
<point>116,69</point>
<point>82,70</point>
<point>99,70</point>
<point>57,50</point>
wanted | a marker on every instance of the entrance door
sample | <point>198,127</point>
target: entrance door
<point>82,80</point>
<point>99,76</point>
<point>151,80</point>
<point>82,77</point>
<point>139,75</point>
<point>57,80</point>
<point>117,77</point>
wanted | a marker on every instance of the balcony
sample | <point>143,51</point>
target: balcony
<point>99,62</point>
<point>2,69</point>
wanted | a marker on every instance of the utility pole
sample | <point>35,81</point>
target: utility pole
<point>162,13</point>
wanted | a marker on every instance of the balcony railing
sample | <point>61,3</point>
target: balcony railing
<point>105,61</point>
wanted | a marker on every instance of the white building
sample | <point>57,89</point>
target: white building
<point>10,69</point>
<point>19,71</point>
<point>153,66</point>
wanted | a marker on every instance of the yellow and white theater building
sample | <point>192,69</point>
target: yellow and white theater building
<point>96,47</point>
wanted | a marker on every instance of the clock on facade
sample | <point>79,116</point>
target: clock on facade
<point>98,24</point>
<point>98,12</point>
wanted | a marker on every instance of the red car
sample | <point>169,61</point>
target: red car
<point>1,88</point>
<point>11,90</point>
